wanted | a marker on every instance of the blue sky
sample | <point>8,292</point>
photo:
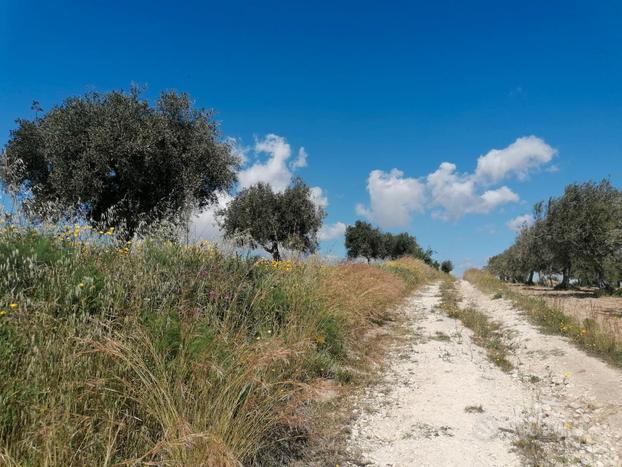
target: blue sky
<point>362,86</point>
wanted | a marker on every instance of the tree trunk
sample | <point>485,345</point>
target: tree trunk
<point>565,283</point>
<point>530,278</point>
<point>602,282</point>
<point>276,255</point>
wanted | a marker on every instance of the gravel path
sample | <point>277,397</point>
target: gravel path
<point>579,397</point>
<point>442,403</point>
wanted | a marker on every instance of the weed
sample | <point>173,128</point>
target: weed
<point>474,409</point>
<point>486,333</point>
<point>440,336</point>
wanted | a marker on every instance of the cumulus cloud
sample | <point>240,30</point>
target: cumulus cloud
<point>393,198</point>
<point>331,232</point>
<point>237,149</point>
<point>301,160</point>
<point>449,194</point>
<point>268,161</point>
<point>274,169</point>
<point>518,159</point>
<point>493,198</point>
<point>318,197</point>
<point>520,222</point>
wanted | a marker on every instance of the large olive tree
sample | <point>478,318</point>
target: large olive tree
<point>116,160</point>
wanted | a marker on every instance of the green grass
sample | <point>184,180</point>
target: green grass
<point>606,343</point>
<point>486,333</point>
<point>171,355</point>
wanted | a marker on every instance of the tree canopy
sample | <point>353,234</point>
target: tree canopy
<point>116,160</point>
<point>364,240</point>
<point>369,242</point>
<point>578,235</point>
<point>260,217</point>
<point>447,266</point>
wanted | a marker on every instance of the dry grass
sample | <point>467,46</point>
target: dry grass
<point>369,298</point>
<point>364,292</point>
<point>172,355</point>
<point>602,337</point>
<point>581,304</point>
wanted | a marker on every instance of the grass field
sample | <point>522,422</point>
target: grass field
<point>178,355</point>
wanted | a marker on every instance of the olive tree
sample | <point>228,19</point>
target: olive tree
<point>117,160</point>
<point>260,217</point>
<point>364,240</point>
<point>585,229</point>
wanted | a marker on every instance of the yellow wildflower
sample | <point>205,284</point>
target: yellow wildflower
<point>13,305</point>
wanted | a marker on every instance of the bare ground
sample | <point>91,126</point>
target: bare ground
<point>443,403</point>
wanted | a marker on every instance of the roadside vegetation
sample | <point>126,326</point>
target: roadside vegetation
<point>486,332</point>
<point>155,352</point>
<point>588,334</point>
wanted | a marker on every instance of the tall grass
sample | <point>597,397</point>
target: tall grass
<point>587,334</point>
<point>171,355</point>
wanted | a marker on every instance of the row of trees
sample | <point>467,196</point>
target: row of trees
<point>363,240</point>
<point>576,237</point>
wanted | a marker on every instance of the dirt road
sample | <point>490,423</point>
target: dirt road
<point>443,403</point>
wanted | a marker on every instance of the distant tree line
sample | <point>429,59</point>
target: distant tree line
<point>576,238</point>
<point>363,240</point>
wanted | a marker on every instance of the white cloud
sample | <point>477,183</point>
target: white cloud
<point>395,198</point>
<point>493,198</point>
<point>301,160</point>
<point>457,193</point>
<point>520,157</point>
<point>331,232</point>
<point>205,225</point>
<point>274,170</point>
<point>318,197</point>
<point>237,149</point>
<point>520,222</point>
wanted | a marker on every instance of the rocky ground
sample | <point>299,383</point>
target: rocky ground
<point>443,403</point>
